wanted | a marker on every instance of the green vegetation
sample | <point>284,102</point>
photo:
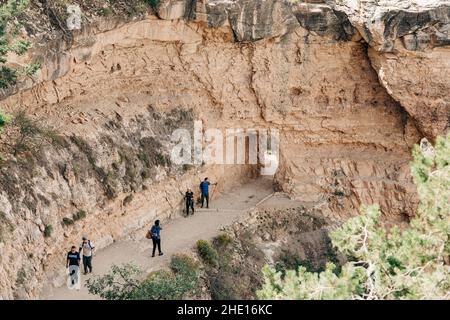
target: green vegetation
<point>21,277</point>
<point>79,215</point>
<point>231,263</point>
<point>222,240</point>
<point>23,136</point>
<point>106,12</point>
<point>23,142</point>
<point>153,3</point>
<point>289,261</point>
<point>4,119</point>
<point>386,264</point>
<point>27,129</point>
<point>9,29</point>
<point>48,231</point>
<point>137,8</point>
<point>122,283</point>
<point>119,284</point>
<point>67,222</point>
<point>183,264</point>
<point>338,193</point>
<point>207,253</point>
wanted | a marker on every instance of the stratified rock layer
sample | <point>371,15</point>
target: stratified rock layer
<point>410,52</point>
<point>306,69</point>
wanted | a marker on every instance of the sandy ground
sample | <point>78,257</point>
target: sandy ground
<point>178,235</point>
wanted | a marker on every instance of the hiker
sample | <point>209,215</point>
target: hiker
<point>73,257</point>
<point>88,250</point>
<point>155,232</point>
<point>189,197</point>
<point>204,188</point>
<point>73,264</point>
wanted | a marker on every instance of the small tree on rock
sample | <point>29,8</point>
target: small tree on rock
<point>9,28</point>
<point>386,264</point>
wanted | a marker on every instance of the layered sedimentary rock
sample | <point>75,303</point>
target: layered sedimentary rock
<point>405,38</point>
<point>302,68</point>
<point>409,49</point>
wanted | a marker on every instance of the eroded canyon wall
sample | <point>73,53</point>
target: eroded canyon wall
<point>115,94</point>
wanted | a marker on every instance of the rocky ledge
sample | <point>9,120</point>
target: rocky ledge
<point>405,38</point>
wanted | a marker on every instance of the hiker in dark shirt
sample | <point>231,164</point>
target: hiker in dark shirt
<point>189,197</point>
<point>156,237</point>
<point>204,188</point>
<point>73,264</point>
<point>73,257</point>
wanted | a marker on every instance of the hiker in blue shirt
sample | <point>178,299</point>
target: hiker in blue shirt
<point>156,237</point>
<point>204,188</point>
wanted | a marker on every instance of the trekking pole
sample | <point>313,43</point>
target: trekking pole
<point>215,188</point>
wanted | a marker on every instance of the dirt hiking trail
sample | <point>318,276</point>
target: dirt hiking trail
<point>178,235</point>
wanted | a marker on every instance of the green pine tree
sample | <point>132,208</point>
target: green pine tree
<point>386,264</point>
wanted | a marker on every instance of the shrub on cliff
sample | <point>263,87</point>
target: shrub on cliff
<point>122,283</point>
<point>119,284</point>
<point>153,3</point>
<point>395,264</point>
<point>4,119</point>
<point>9,28</point>
<point>207,253</point>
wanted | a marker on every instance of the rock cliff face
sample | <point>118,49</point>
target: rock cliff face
<point>409,50</point>
<point>285,238</point>
<point>349,102</point>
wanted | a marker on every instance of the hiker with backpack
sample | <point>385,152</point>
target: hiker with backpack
<point>88,250</point>
<point>155,234</point>
<point>189,197</point>
<point>204,188</point>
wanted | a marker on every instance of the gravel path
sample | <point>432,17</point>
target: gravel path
<point>178,235</point>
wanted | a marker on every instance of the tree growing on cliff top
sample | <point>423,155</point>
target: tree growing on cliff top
<point>9,28</point>
<point>3,120</point>
<point>386,264</point>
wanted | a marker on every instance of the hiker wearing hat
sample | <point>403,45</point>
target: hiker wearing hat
<point>87,247</point>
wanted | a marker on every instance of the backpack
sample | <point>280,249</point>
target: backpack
<point>149,234</point>
<point>89,243</point>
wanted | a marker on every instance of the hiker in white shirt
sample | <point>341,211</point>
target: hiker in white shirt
<point>87,248</point>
